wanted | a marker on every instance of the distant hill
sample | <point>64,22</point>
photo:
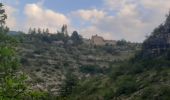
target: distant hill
<point>13,32</point>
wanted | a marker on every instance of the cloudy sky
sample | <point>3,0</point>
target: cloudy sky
<point>132,20</point>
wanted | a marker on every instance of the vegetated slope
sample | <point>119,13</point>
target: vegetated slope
<point>145,80</point>
<point>47,63</point>
<point>144,77</point>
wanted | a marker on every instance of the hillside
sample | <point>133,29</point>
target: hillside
<point>71,68</point>
<point>144,77</point>
<point>47,63</point>
<point>144,80</point>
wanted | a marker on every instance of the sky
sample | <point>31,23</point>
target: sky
<point>131,20</point>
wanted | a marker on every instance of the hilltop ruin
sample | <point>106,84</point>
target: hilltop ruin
<point>100,41</point>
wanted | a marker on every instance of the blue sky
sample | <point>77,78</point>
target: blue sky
<point>64,6</point>
<point>113,19</point>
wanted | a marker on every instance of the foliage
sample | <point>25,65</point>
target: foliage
<point>91,69</point>
<point>125,85</point>
<point>69,85</point>
<point>139,80</point>
<point>121,42</point>
<point>76,38</point>
<point>110,49</point>
<point>160,92</point>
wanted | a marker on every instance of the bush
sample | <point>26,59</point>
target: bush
<point>68,85</point>
<point>24,61</point>
<point>160,92</point>
<point>92,69</point>
<point>125,85</point>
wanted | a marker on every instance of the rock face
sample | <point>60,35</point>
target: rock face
<point>99,41</point>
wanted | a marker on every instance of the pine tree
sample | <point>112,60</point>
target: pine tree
<point>39,31</point>
<point>64,29</point>
<point>47,31</point>
<point>76,38</point>
<point>167,23</point>
<point>34,31</point>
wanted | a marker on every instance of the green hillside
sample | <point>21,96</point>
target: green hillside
<point>47,62</point>
<point>144,77</point>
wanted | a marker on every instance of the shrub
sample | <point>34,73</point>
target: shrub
<point>92,69</point>
<point>125,85</point>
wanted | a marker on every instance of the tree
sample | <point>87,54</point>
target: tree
<point>121,42</point>
<point>43,31</point>
<point>76,38</point>
<point>39,31</point>
<point>64,30</point>
<point>60,36</point>
<point>34,31</point>
<point>12,83</point>
<point>3,16</point>
<point>30,30</point>
<point>47,31</point>
<point>167,23</point>
<point>68,85</point>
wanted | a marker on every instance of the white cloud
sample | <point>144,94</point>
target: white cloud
<point>131,19</point>
<point>11,21</point>
<point>92,30</point>
<point>156,4</point>
<point>126,24</point>
<point>44,18</point>
<point>114,4</point>
<point>89,15</point>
